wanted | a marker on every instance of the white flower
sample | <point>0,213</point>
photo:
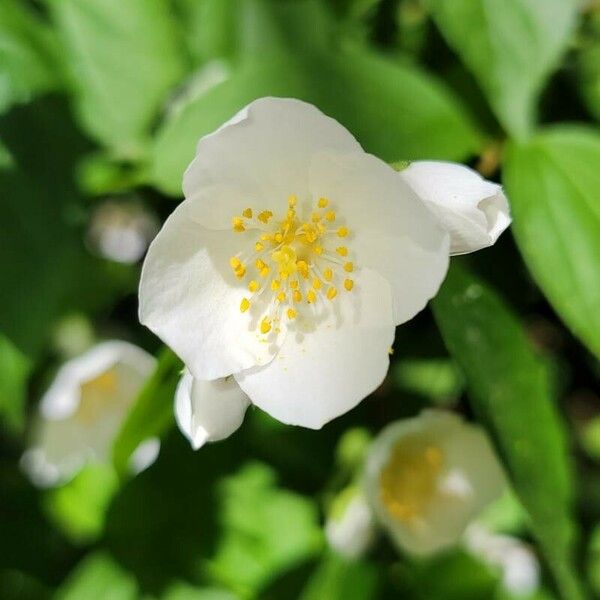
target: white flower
<point>474,211</point>
<point>428,477</point>
<point>209,411</point>
<point>350,527</point>
<point>83,409</point>
<point>519,567</point>
<point>291,261</point>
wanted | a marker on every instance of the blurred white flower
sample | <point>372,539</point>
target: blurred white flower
<point>428,477</point>
<point>83,409</point>
<point>209,411</point>
<point>473,210</point>
<point>122,231</point>
<point>350,528</point>
<point>518,565</point>
<point>291,261</point>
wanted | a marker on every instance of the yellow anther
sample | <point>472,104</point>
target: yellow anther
<point>294,284</point>
<point>275,284</point>
<point>281,297</point>
<point>348,284</point>
<point>264,216</point>
<point>240,272</point>
<point>292,201</point>
<point>322,203</point>
<point>247,212</point>
<point>315,217</point>
<point>264,272</point>
<point>259,247</point>
<point>266,237</point>
<point>285,258</point>
<point>302,268</point>
<point>332,293</point>
<point>260,264</point>
<point>311,296</point>
<point>265,325</point>
<point>297,296</point>
<point>244,304</point>
<point>235,262</point>
<point>342,250</point>
<point>291,313</point>
<point>328,274</point>
<point>278,237</point>
<point>348,267</point>
<point>318,250</point>
<point>330,216</point>
<point>343,232</point>
<point>390,350</point>
<point>238,224</point>
<point>316,283</point>
<point>253,286</point>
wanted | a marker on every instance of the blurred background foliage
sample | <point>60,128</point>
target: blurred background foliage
<point>105,99</point>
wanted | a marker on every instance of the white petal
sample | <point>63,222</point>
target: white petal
<point>190,298</point>
<point>474,211</point>
<point>260,157</point>
<point>209,411</point>
<point>62,397</point>
<point>391,231</point>
<point>144,455</point>
<point>321,374</point>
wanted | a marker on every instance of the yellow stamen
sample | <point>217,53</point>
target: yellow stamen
<point>275,284</point>
<point>302,268</point>
<point>265,325</point>
<point>247,212</point>
<point>315,217</point>
<point>311,296</point>
<point>297,296</point>
<point>294,284</point>
<point>264,272</point>
<point>292,201</point>
<point>331,293</point>
<point>264,216</point>
<point>253,286</point>
<point>342,232</point>
<point>348,267</point>
<point>260,264</point>
<point>316,283</point>
<point>342,250</point>
<point>240,272</point>
<point>281,297</point>
<point>291,313</point>
<point>328,274</point>
<point>348,284</point>
<point>330,216</point>
<point>322,203</point>
<point>235,262</point>
<point>238,224</point>
<point>318,250</point>
<point>244,304</point>
<point>258,247</point>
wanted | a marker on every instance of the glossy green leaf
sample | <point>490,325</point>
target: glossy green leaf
<point>152,412</point>
<point>28,55</point>
<point>511,46</point>
<point>125,58</point>
<point>509,389</point>
<point>98,577</point>
<point>14,371</point>
<point>553,184</point>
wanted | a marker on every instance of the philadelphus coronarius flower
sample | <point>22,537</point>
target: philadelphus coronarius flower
<point>289,264</point>
<point>83,409</point>
<point>428,477</point>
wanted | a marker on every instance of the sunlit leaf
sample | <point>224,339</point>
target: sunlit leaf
<point>553,184</point>
<point>511,46</point>
<point>509,389</point>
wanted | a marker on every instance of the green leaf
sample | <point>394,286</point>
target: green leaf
<point>28,55</point>
<point>124,58</point>
<point>421,119</point>
<point>509,389</point>
<point>184,591</point>
<point>588,65</point>
<point>265,530</point>
<point>553,184</point>
<point>98,577</point>
<point>14,371</point>
<point>152,412</point>
<point>511,46</point>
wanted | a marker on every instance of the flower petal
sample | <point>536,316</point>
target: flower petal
<point>321,374</point>
<point>260,157</point>
<point>209,411</point>
<point>190,298</point>
<point>474,211</point>
<point>392,232</point>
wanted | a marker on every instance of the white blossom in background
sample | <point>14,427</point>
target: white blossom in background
<point>474,211</point>
<point>82,411</point>
<point>519,567</point>
<point>428,477</point>
<point>121,231</point>
<point>209,411</point>
<point>350,528</point>
<point>291,261</point>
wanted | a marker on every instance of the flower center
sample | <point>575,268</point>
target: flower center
<point>96,395</point>
<point>296,262</point>
<point>409,480</point>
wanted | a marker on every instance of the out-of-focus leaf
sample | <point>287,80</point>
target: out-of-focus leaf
<point>511,46</point>
<point>28,55</point>
<point>339,579</point>
<point>152,412</point>
<point>18,585</point>
<point>509,389</point>
<point>553,184</point>
<point>590,438</point>
<point>45,270</point>
<point>184,591</point>
<point>79,506</point>
<point>98,577</point>
<point>14,370</point>
<point>588,65</point>
<point>265,530</point>
<point>593,560</point>
<point>124,58</point>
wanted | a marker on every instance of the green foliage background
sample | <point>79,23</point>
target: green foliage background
<point>107,98</point>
